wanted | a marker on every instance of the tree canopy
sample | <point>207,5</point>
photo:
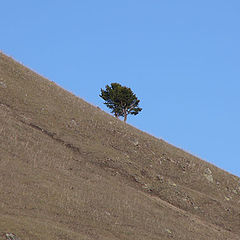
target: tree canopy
<point>121,100</point>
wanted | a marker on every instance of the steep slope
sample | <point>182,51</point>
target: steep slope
<point>71,171</point>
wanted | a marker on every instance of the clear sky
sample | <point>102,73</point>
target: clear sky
<point>181,58</point>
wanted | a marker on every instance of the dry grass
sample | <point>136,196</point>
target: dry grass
<point>71,171</point>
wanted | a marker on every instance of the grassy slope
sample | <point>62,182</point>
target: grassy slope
<point>71,171</point>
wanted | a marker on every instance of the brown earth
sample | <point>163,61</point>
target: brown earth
<point>71,171</point>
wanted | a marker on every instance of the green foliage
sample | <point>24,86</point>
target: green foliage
<point>121,100</point>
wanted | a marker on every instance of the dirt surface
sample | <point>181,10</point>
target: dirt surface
<point>71,171</point>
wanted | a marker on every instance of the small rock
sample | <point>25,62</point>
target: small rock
<point>136,179</point>
<point>234,191</point>
<point>168,230</point>
<point>3,85</point>
<point>172,183</point>
<point>208,171</point>
<point>208,175</point>
<point>209,178</point>
<point>136,143</point>
<point>228,199</point>
<point>11,236</point>
<point>170,159</point>
<point>145,186</point>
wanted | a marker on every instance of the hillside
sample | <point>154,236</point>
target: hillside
<point>72,171</point>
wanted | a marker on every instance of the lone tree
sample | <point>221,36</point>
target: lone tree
<point>121,100</point>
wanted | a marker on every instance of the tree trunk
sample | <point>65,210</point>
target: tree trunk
<point>125,115</point>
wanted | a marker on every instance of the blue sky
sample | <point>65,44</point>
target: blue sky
<point>181,58</point>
